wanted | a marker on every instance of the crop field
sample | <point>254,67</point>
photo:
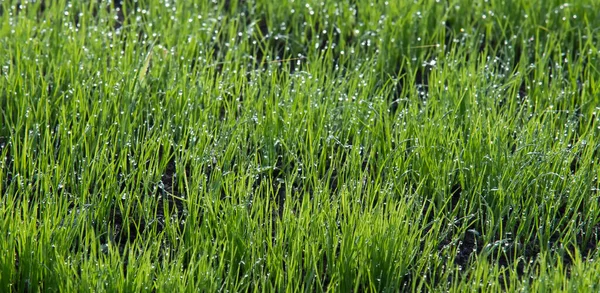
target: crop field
<point>299,146</point>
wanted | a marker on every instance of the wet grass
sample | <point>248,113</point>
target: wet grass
<point>299,146</point>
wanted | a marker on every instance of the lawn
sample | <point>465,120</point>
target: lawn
<point>307,145</point>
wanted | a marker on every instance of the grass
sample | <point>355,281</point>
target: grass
<point>299,146</point>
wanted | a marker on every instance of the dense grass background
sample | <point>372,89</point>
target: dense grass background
<point>299,145</point>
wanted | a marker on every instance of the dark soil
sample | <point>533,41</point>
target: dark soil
<point>168,209</point>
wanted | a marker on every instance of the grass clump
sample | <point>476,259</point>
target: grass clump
<point>299,146</point>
